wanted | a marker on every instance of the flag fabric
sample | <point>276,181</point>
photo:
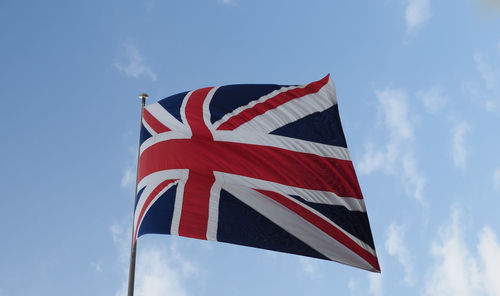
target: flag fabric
<point>259,165</point>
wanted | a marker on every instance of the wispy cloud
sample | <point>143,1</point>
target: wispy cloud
<point>127,177</point>
<point>396,247</point>
<point>161,272</point>
<point>434,99</point>
<point>133,63</point>
<point>496,179</point>
<point>353,286</point>
<point>128,173</point>
<point>396,156</point>
<point>97,266</point>
<point>414,180</point>
<point>458,270</point>
<point>487,89</point>
<point>489,252</point>
<point>227,2</point>
<point>416,14</point>
<point>375,284</point>
<point>121,239</point>
<point>310,267</point>
<point>487,72</point>
<point>491,79</point>
<point>395,110</point>
<point>459,147</point>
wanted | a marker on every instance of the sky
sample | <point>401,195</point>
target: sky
<point>418,85</point>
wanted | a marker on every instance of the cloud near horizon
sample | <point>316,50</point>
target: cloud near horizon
<point>457,269</point>
<point>160,270</point>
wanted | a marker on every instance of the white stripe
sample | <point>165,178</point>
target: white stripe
<point>213,209</point>
<point>293,110</point>
<point>165,117</point>
<point>292,144</point>
<point>206,109</point>
<point>179,197</point>
<point>151,182</point>
<point>253,103</point>
<point>183,113</point>
<point>298,227</point>
<point>315,196</point>
<point>248,137</point>
<point>139,223</point>
<point>352,237</point>
<point>164,137</point>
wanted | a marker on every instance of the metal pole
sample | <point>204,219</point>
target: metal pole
<point>133,248</point>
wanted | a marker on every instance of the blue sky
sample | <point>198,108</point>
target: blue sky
<point>418,83</point>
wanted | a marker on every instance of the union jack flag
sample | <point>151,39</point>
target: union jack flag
<point>259,165</point>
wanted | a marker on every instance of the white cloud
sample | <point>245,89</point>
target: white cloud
<point>434,99</point>
<point>414,181</point>
<point>490,105</point>
<point>127,177</point>
<point>488,74</point>
<point>375,284</point>
<point>396,247</point>
<point>121,239</point>
<point>395,156</point>
<point>473,90</point>
<point>491,79</point>
<point>417,13</point>
<point>453,268</point>
<point>489,252</point>
<point>310,267</point>
<point>353,286</point>
<point>227,2</point>
<point>496,179</point>
<point>159,270</point>
<point>155,275</point>
<point>487,92</point>
<point>97,266</point>
<point>134,64</point>
<point>459,150</point>
<point>372,160</point>
<point>459,271</point>
<point>395,109</point>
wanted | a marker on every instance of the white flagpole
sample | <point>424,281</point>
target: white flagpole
<point>133,248</point>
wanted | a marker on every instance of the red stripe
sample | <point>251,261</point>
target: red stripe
<point>194,113</point>
<point>150,198</point>
<point>156,125</point>
<point>271,103</point>
<point>324,226</point>
<point>278,165</point>
<point>196,199</point>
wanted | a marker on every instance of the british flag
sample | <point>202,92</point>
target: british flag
<point>259,165</point>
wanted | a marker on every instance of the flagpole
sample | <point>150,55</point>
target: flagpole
<point>133,248</point>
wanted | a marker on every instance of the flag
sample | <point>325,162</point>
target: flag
<point>259,165</point>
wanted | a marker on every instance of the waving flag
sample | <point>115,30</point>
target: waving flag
<point>259,165</point>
